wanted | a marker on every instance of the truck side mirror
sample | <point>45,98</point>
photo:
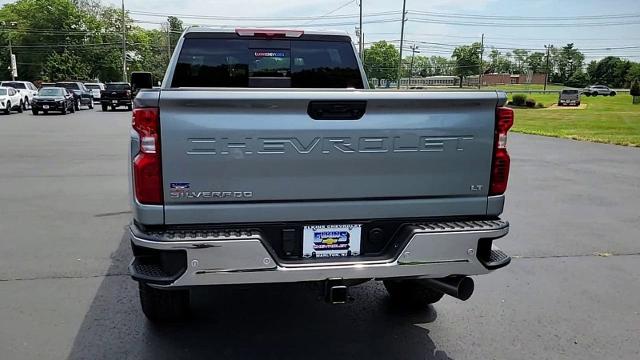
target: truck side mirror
<point>141,80</point>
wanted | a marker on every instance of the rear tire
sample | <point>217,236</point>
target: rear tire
<point>91,105</point>
<point>105,107</point>
<point>76,105</point>
<point>412,293</point>
<point>20,108</point>
<point>64,111</point>
<point>162,306</point>
<point>34,112</point>
<point>613,93</point>
<point>72,109</point>
<point>26,104</point>
<point>7,110</point>
<point>594,94</point>
<point>587,94</point>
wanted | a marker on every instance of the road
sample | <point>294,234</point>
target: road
<point>571,291</point>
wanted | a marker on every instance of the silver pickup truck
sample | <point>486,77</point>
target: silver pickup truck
<point>264,158</point>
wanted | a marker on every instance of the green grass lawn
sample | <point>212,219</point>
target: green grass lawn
<point>613,120</point>
<point>516,87</point>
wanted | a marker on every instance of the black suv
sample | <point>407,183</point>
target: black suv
<point>81,94</point>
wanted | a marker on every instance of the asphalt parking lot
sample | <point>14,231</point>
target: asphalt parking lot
<point>571,292</point>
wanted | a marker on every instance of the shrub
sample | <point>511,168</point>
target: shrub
<point>530,102</point>
<point>540,105</point>
<point>635,88</point>
<point>519,99</point>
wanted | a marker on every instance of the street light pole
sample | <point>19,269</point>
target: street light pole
<point>124,45</point>
<point>481,71</point>
<point>404,14</point>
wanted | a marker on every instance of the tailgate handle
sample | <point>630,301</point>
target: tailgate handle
<point>336,110</point>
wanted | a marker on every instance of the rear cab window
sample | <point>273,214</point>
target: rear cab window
<point>71,86</point>
<point>263,63</point>
<point>15,85</point>
<point>117,87</point>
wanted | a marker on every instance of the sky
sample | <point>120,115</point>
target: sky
<point>435,26</point>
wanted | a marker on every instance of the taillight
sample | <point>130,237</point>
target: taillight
<point>147,167</point>
<point>501,160</point>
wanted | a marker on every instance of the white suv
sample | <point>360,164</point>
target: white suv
<point>25,88</point>
<point>595,90</point>
<point>95,89</point>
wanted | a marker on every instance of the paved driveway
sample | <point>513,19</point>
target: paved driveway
<point>571,292</point>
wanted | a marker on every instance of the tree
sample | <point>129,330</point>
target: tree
<point>520,57</point>
<point>381,61</point>
<point>467,60</point>
<point>536,62</point>
<point>635,91</point>
<point>65,66</point>
<point>579,79</point>
<point>569,60</point>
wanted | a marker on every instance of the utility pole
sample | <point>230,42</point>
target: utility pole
<point>13,66</point>
<point>546,75</point>
<point>124,45</point>
<point>11,61</point>
<point>404,19</point>
<point>480,73</point>
<point>414,50</point>
<point>360,42</point>
<point>168,42</point>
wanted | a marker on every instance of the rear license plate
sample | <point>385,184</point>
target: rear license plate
<point>331,240</point>
<point>45,107</point>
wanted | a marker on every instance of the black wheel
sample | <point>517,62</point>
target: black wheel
<point>7,110</point>
<point>412,293</point>
<point>64,110</point>
<point>21,107</point>
<point>26,104</point>
<point>613,93</point>
<point>72,109</point>
<point>594,94</point>
<point>559,104</point>
<point>162,306</point>
<point>34,111</point>
<point>587,94</point>
<point>91,104</point>
<point>76,105</point>
<point>105,107</point>
<point>129,107</point>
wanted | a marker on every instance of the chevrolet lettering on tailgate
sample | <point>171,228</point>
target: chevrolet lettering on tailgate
<point>327,145</point>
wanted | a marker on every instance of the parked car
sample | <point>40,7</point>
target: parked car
<point>595,90</point>
<point>82,95</point>
<point>53,99</point>
<point>25,88</point>
<point>569,97</point>
<point>95,89</point>
<point>10,100</point>
<point>116,94</point>
<point>331,183</point>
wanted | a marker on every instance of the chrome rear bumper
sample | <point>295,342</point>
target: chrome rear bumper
<point>434,250</point>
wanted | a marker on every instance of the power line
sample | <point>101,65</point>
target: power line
<point>330,12</point>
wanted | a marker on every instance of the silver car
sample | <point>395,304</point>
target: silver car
<point>595,90</point>
<point>569,97</point>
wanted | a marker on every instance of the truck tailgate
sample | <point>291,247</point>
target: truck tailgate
<point>258,155</point>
